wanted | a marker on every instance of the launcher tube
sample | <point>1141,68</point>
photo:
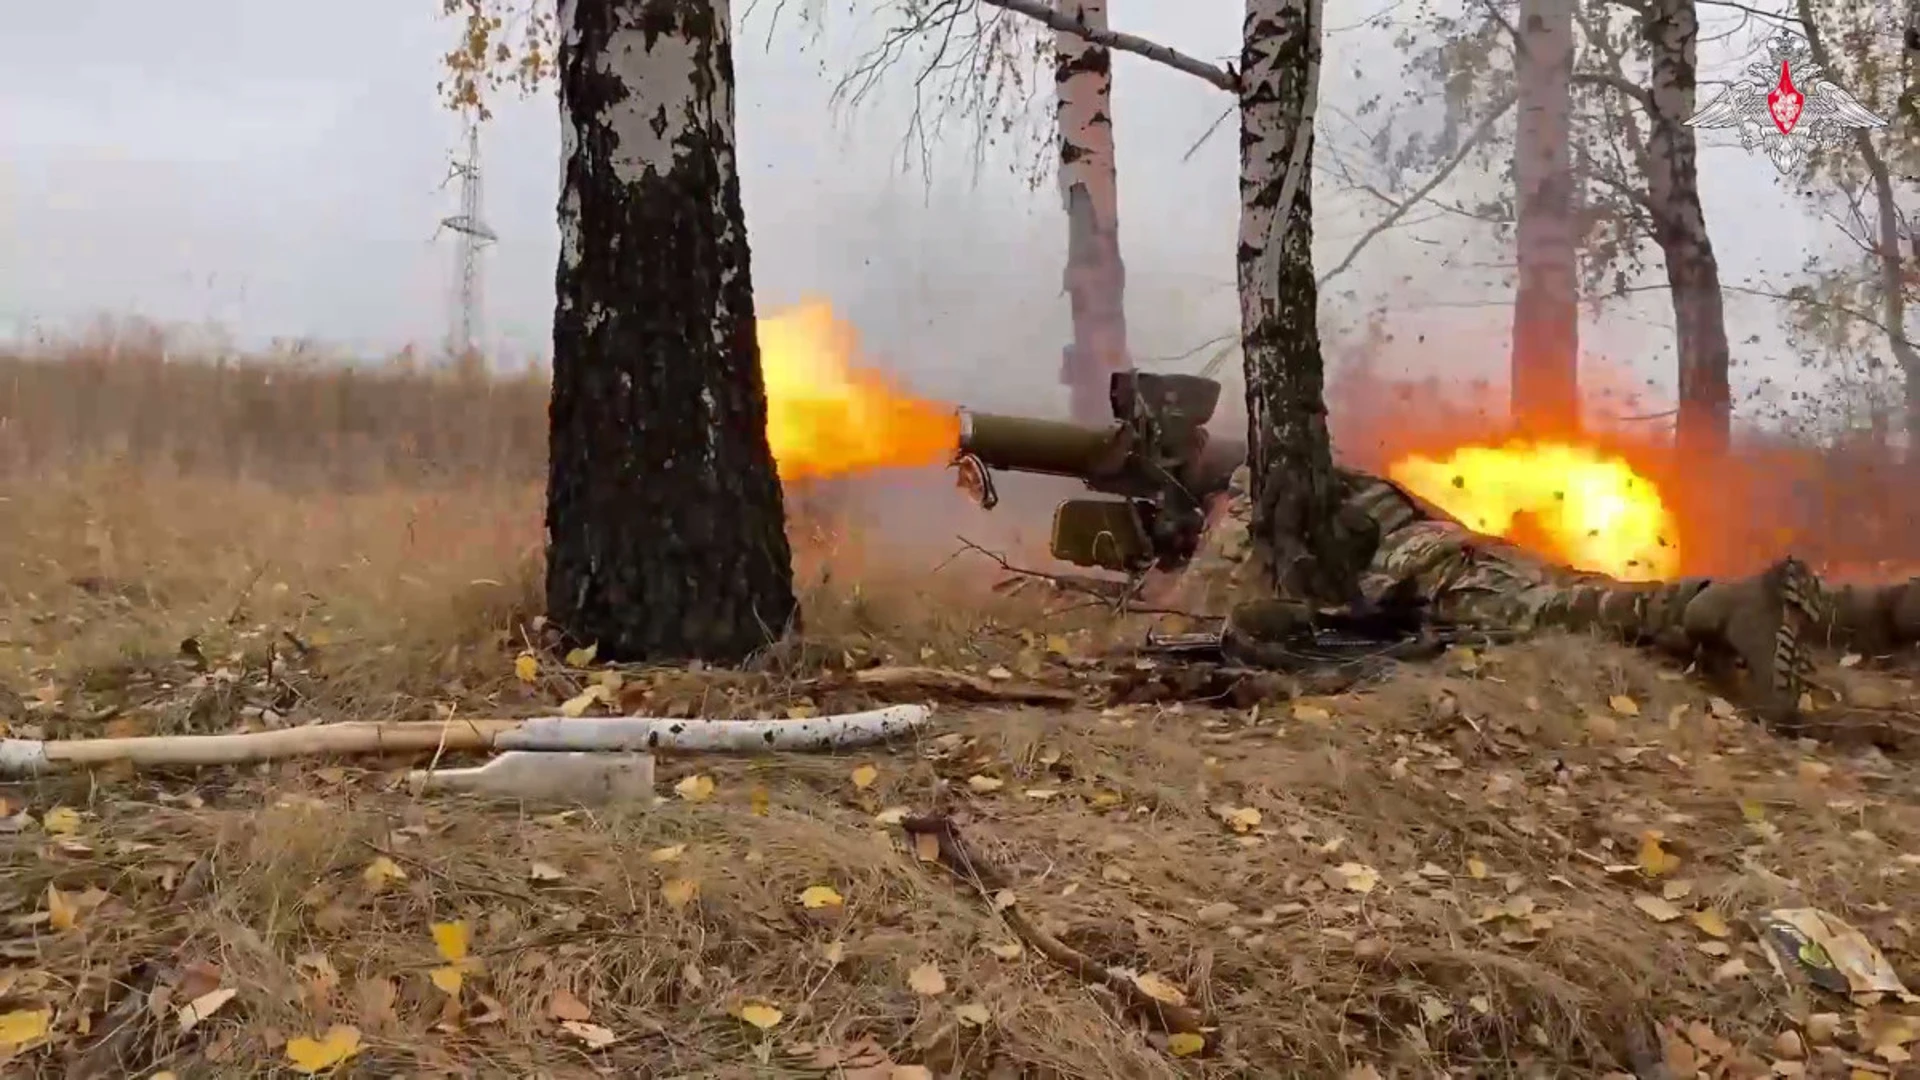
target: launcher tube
<point>1026,444</point>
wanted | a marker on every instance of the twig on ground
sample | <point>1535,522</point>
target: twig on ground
<point>959,684</point>
<point>987,880</point>
<point>1076,583</point>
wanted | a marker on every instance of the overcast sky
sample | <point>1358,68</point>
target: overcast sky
<point>277,170</point>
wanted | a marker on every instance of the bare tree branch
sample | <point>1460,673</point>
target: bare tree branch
<point>1054,19</point>
<point>1466,147</point>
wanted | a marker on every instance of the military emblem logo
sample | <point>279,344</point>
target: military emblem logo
<point>1786,106</point>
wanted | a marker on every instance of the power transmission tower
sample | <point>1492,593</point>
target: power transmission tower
<point>468,305</point>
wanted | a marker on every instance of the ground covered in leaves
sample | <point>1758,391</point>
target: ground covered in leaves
<point>1533,860</point>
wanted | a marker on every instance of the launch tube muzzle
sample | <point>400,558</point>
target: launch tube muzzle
<point>1054,447</point>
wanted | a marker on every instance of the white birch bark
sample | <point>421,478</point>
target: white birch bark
<point>1672,30</point>
<point>1546,312</point>
<point>1095,277</point>
<point>1296,528</point>
<point>554,734</point>
<point>665,528</point>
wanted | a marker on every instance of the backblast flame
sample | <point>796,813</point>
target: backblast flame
<point>828,415</point>
<point>1571,503</point>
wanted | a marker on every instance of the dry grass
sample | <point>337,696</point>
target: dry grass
<point>1494,812</point>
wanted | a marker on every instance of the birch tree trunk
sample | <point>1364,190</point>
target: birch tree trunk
<point>1546,303</point>
<point>1671,29</point>
<point>1096,278</point>
<point>665,525</point>
<point>1298,534</point>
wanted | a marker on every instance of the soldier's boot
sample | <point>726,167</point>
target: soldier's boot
<point>1767,623</point>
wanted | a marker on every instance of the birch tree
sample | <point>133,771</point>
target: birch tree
<point>1545,363</point>
<point>665,526</point>
<point>1634,175</point>
<point>1096,276</point>
<point>1640,147</point>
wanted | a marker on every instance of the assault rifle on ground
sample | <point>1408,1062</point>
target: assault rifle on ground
<point>1156,456</point>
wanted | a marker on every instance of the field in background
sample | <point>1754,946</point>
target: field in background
<point>1450,871</point>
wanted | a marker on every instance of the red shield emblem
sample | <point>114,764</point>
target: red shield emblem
<point>1784,103</point>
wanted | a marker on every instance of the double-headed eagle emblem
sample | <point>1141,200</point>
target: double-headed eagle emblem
<point>1786,106</point>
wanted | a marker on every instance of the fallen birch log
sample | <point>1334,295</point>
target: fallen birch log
<point>582,777</point>
<point>28,757</point>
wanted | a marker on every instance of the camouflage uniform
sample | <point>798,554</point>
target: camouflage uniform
<point>1465,577</point>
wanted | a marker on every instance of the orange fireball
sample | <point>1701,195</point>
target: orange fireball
<point>830,415</point>
<point>1588,509</point>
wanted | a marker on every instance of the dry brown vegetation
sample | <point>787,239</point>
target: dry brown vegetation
<point>1448,871</point>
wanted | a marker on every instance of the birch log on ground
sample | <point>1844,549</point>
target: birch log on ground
<point>665,523</point>
<point>1096,278</point>
<point>1306,547</point>
<point>27,757</point>
<point>1546,302</point>
<point>1671,29</point>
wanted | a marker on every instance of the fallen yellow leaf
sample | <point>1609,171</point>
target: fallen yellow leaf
<point>1241,819</point>
<point>526,668</point>
<point>820,896</point>
<point>1476,869</point>
<point>760,1014</point>
<point>578,704</point>
<point>680,892</point>
<point>973,1014</point>
<point>448,979</point>
<point>1711,923</point>
<point>697,788</point>
<point>1357,877</point>
<point>1624,705</point>
<point>1009,950</point>
<point>582,657</point>
<point>927,980</point>
<point>62,913</point>
<point>1311,714</point>
<point>864,776</point>
<point>670,853</point>
<point>308,1055</point>
<point>24,1026</point>
<point>1185,1044</point>
<point>61,820</point>
<point>1159,989</point>
<point>985,784</point>
<point>1655,860</point>
<point>381,871</point>
<point>451,939</point>
<point>757,801</point>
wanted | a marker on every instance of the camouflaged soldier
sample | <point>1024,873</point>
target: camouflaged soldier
<point>1767,622</point>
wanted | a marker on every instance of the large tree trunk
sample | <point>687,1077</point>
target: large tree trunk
<point>1672,29</point>
<point>1096,279</point>
<point>1546,303</point>
<point>665,527</point>
<point>1298,533</point>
